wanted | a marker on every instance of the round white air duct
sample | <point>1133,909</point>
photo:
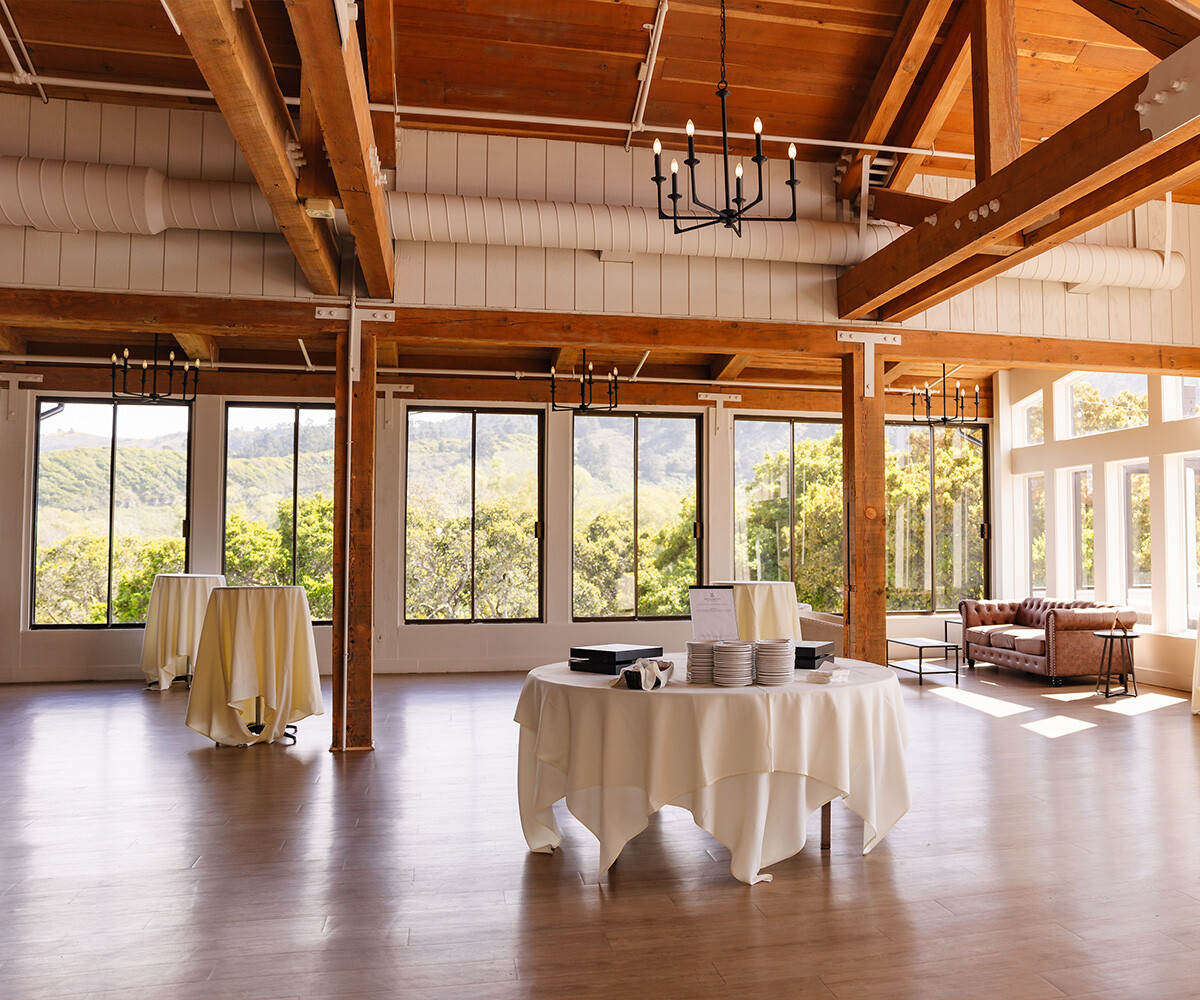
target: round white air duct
<point>69,196</point>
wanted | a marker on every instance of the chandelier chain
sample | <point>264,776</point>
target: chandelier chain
<point>722,85</point>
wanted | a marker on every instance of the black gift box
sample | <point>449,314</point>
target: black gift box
<point>610,658</point>
<point>810,655</point>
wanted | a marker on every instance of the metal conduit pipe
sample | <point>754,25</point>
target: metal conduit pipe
<point>70,196</point>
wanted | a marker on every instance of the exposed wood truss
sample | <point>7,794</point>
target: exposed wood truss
<point>729,366</point>
<point>940,90</point>
<point>229,50</point>
<point>200,346</point>
<point>1159,26</point>
<point>1103,163</point>
<point>334,74</point>
<point>895,79</point>
<point>994,97</point>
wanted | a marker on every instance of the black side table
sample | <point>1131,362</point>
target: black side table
<point>1119,638</point>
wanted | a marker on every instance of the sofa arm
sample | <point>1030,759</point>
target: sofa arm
<point>987,612</point>
<point>1092,619</point>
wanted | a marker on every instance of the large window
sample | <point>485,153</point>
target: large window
<point>473,516</point>
<point>788,506</point>
<point>1084,534</point>
<point>1191,535</point>
<point>110,508</point>
<point>1181,397</point>
<point>279,499</point>
<point>1029,420</point>
<point>1136,477</point>
<point>936,496</point>
<point>1035,531</point>
<point>1107,401</point>
<point>636,489</point>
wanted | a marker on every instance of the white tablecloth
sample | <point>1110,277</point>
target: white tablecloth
<point>256,641</point>
<point>173,619</point>
<point>766,609</point>
<point>751,764</point>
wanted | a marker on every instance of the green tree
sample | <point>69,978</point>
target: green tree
<point>136,562</point>
<point>72,581</point>
<point>668,564</point>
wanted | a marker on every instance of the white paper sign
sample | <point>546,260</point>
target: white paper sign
<point>713,613</point>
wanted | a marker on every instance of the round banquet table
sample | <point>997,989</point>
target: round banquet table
<point>750,764</point>
<point>256,642</point>
<point>173,619</point>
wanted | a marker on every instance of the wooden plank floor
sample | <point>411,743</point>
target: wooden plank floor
<point>139,861</point>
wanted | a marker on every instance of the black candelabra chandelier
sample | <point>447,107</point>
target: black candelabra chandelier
<point>736,205</point>
<point>956,402</point>
<point>587,390</point>
<point>147,387</point>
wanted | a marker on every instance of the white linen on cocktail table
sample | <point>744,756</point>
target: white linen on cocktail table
<point>1196,679</point>
<point>766,609</point>
<point>256,642</point>
<point>751,764</point>
<point>173,619</point>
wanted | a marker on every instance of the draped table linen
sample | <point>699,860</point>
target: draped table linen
<point>766,609</point>
<point>751,764</point>
<point>173,620</point>
<point>1196,679</point>
<point>256,641</point>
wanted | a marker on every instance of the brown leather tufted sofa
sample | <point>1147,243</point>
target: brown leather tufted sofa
<point>1042,637</point>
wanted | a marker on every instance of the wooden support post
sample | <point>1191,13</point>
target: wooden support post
<point>353,549</point>
<point>865,510</point>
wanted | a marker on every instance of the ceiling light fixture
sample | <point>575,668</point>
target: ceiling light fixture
<point>147,390</point>
<point>736,207</point>
<point>959,416</point>
<point>587,388</point>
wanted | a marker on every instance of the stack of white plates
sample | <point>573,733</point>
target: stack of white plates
<point>774,661</point>
<point>700,662</point>
<point>733,663</point>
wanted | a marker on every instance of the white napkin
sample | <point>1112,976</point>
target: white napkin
<point>829,675</point>
<point>650,671</point>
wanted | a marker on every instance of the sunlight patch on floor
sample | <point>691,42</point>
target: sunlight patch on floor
<point>1072,695</point>
<point>1140,705</point>
<point>1057,725</point>
<point>981,702</point>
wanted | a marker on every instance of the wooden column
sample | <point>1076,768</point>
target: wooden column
<point>865,509</point>
<point>353,554</point>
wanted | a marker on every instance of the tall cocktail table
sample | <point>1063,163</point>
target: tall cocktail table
<point>920,644</point>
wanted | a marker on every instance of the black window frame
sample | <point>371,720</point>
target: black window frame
<point>56,400</point>
<point>270,405</point>
<point>698,524</point>
<point>539,524</point>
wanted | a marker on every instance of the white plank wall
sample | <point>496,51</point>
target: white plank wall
<point>197,144</point>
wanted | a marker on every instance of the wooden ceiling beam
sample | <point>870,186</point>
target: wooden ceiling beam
<point>417,330</point>
<point>1097,149</point>
<point>334,73</point>
<point>892,370</point>
<point>994,99</point>
<point>230,52</point>
<point>11,342</point>
<point>903,208</point>
<point>728,367</point>
<point>897,73</point>
<point>939,92</point>
<point>1159,26</point>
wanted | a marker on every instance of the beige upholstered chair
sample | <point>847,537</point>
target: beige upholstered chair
<point>819,626</point>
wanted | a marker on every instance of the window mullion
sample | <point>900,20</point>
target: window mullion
<point>112,496</point>
<point>295,491</point>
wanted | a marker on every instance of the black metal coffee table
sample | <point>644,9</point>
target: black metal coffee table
<point>920,644</point>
